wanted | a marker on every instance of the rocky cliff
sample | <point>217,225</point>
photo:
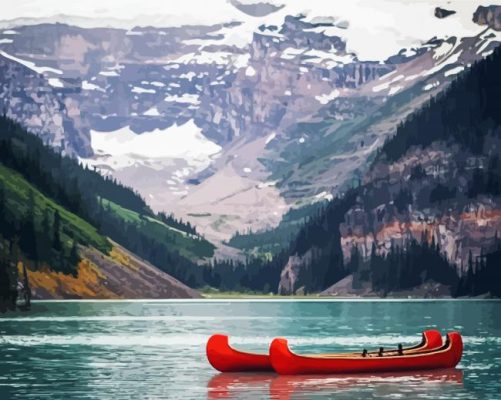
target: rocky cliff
<point>490,16</point>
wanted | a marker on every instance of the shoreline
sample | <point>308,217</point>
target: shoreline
<point>270,299</point>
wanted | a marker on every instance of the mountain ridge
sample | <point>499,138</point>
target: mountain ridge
<point>260,101</point>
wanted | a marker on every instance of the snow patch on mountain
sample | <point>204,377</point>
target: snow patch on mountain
<point>387,85</point>
<point>109,73</point>
<point>326,98</point>
<point>141,90</point>
<point>250,71</point>
<point>185,98</point>
<point>324,196</point>
<point>86,85</point>
<point>178,141</point>
<point>152,112</point>
<point>56,82</point>
<point>270,138</point>
<point>31,65</point>
<point>451,59</point>
<point>431,85</point>
<point>454,71</point>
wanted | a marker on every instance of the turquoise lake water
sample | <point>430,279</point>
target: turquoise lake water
<point>156,349</point>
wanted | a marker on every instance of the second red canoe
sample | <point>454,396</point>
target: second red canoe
<point>285,362</point>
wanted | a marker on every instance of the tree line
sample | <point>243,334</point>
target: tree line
<point>465,113</point>
<point>483,275</point>
<point>403,267</point>
<point>39,239</point>
<point>63,179</point>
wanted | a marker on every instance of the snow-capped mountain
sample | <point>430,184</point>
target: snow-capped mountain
<point>232,113</point>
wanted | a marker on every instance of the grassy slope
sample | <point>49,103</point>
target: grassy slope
<point>190,246</point>
<point>17,192</point>
<point>116,275</point>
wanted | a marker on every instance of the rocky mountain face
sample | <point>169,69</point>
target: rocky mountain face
<point>28,96</point>
<point>458,223</point>
<point>229,125</point>
<point>435,184</point>
<point>426,196</point>
<point>490,16</point>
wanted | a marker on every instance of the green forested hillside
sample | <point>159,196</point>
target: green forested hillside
<point>189,245</point>
<point>44,231</point>
<point>49,204</point>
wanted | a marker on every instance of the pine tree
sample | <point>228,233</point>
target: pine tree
<point>3,207</point>
<point>4,275</point>
<point>45,236</point>
<point>56,236</point>
<point>74,258</point>
<point>469,275</point>
<point>28,238</point>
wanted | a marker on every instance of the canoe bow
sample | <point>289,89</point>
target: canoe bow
<point>225,358</point>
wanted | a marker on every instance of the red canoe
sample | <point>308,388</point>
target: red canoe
<point>226,359</point>
<point>285,362</point>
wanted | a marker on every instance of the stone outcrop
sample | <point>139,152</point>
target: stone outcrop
<point>443,13</point>
<point>291,278</point>
<point>490,16</point>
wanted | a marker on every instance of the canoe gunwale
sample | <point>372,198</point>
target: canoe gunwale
<point>445,347</point>
<point>420,347</point>
<point>286,362</point>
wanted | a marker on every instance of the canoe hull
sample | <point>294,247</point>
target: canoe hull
<point>224,358</point>
<point>285,362</point>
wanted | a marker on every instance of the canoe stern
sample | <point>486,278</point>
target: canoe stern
<point>432,339</point>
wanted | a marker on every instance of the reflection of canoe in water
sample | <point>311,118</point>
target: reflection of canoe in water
<point>284,387</point>
<point>228,385</point>
<point>284,361</point>
<point>227,359</point>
